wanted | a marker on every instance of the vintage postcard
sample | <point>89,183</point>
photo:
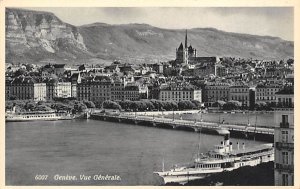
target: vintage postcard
<point>128,93</point>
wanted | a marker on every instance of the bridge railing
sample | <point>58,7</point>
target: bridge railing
<point>193,124</point>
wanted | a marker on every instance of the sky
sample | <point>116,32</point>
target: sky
<point>270,21</point>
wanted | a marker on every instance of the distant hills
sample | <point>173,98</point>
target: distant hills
<point>35,36</point>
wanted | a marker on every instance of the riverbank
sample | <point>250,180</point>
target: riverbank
<point>261,175</point>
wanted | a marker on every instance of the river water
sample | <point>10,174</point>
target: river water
<point>93,147</point>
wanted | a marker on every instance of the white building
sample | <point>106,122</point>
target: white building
<point>63,90</point>
<point>179,92</point>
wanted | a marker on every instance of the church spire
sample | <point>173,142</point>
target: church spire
<point>185,45</point>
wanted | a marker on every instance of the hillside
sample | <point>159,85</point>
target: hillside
<point>36,36</point>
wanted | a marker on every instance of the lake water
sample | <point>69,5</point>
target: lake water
<point>92,147</point>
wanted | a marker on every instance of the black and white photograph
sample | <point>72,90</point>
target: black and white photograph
<point>149,96</point>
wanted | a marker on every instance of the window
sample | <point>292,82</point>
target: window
<point>285,179</point>
<point>284,135</point>
<point>285,158</point>
<point>285,119</point>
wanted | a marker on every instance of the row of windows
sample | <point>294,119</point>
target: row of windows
<point>176,99</point>
<point>260,90</point>
<point>100,86</point>
<point>284,99</point>
<point>239,90</point>
<point>264,94</point>
<point>38,116</point>
<point>217,88</point>
<point>221,92</point>
<point>239,98</point>
<point>267,98</point>
<point>176,96</point>
<point>21,90</point>
<point>209,165</point>
<point>176,92</point>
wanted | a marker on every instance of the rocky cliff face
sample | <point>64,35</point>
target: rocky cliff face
<point>38,35</point>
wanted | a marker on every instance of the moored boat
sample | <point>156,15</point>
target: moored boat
<point>37,116</point>
<point>222,158</point>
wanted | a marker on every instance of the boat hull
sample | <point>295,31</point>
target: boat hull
<point>181,179</point>
<point>36,117</point>
<point>194,174</point>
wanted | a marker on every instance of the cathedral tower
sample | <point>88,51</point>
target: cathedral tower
<point>186,53</point>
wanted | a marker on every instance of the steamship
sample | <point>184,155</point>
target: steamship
<point>222,158</point>
<point>36,116</point>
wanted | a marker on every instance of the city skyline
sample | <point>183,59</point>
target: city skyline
<point>256,21</point>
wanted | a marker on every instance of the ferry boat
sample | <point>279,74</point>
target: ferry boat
<point>37,116</point>
<point>222,158</point>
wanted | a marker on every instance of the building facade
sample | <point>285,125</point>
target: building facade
<point>63,90</point>
<point>179,93</point>
<point>131,93</point>
<point>100,91</point>
<point>26,88</point>
<point>240,92</point>
<point>266,93</point>
<point>284,139</point>
<point>205,70</point>
<point>55,89</point>
<point>84,90</point>
<point>117,89</point>
<point>215,91</point>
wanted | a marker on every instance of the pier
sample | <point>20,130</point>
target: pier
<point>238,131</point>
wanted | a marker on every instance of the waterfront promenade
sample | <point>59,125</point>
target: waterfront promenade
<point>196,125</point>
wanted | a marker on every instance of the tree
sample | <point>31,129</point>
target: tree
<point>89,104</point>
<point>9,104</point>
<point>197,103</point>
<point>42,108</point>
<point>108,104</point>
<point>30,105</point>
<point>185,104</point>
<point>232,105</point>
<point>82,107</point>
<point>261,106</point>
<point>19,103</point>
<point>149,104</point>
<point>290,62</point>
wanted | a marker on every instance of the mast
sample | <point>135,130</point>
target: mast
<point>199,143</point>
<point>163,165</point>
<point>255,125</point>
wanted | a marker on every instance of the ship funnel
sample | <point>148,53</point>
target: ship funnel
<point>238,145</point>
<point>230,146</point>
<point>243,146</point>
<point>226,140</point>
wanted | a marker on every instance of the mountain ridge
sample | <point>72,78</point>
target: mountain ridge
<point>35,36</point>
